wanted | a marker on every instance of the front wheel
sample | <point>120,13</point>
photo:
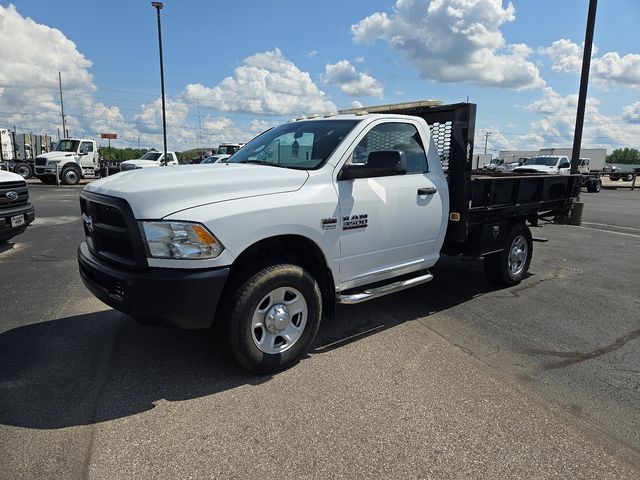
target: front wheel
<point>273,318</point>
<point>69,176</point>
<point>509,266</point>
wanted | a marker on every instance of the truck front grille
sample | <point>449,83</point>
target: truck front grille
<point>7,199</point>
<point>112,231</point>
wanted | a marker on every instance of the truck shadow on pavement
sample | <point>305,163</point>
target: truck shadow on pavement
<point>92,368</point>
<point>445,291</point>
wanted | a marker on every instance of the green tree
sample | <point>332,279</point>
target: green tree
<point>113,154</point>
<point>624,155</point>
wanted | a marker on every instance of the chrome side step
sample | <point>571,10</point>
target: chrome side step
<point>376,292</point>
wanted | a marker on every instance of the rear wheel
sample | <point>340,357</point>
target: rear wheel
<point>69,176</point>
<point>595,186</point>
<point>24,170</point>
<point>273,318</point>
<point>509,266</point>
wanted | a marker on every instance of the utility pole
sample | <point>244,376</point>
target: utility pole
<point>584,82</point>
<point>200,132</point>
<point>64,127</point>
<point>486,139</point>
<point>158,6</point>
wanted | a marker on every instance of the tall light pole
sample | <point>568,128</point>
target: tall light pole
<point>158,6</point>
<point>584,81</point>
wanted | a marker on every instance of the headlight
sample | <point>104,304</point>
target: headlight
<point>180,240</point>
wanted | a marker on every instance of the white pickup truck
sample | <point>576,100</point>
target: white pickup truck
<point>549,164</point>
<point>149,160</point>
<point>314,212</point>
<point>16,212</point>
<point>71,159</point>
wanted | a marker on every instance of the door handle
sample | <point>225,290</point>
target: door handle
<point>427,191</point>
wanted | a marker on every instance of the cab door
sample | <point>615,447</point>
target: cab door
<point>87,154</point>
<point>394,224</point>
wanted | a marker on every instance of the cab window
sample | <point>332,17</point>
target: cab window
<point>402,137</point>
<point>86,147</point>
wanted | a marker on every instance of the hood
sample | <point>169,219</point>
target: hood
<point>154,193</point>
<point>10,177</point>
<point>141,163</point>
<point>57,156</point>
<point>535,169</point>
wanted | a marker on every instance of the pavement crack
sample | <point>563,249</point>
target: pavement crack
<point>572,358</point>
<point>46,258</point>
<point>516,291</point>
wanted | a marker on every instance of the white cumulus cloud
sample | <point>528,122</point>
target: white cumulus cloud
<point>566,56</point>
<point>266,83</point>
<point>556,125</point>
<point>351,81</point>
<point>608,69</point>
<point>454,41</point>
<point>631,113</point>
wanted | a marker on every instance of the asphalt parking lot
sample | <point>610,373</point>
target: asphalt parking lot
<point>453,379</point>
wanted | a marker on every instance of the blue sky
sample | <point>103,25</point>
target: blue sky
<point>519,61</point>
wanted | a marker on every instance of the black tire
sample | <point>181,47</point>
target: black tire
<point>24,170</point>
<point>69,176</point>
<point>256,293</point>
<point>503,268</point>
<point>595,186</point>
<point>628,178</point>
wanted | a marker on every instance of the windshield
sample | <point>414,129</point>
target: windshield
<point>67,146</point>
<point>301,145</point>
<point>151,156</point>
<point>227,149</point>
<point>546,161</point>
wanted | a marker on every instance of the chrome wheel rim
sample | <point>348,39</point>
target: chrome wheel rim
<point>279,320</point>
<point>71,176</point>
<point>518,255</point>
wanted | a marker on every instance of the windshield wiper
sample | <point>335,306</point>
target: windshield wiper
<point>258,162</point>
<point>264,162</point>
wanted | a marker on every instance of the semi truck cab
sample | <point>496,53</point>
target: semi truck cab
<point>71,160</point>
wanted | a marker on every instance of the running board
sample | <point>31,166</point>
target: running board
<point>376,292</point>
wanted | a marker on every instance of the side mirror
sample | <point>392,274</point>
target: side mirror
<point>82,153</point>
<point>565,164</point>
<point>379,164</point>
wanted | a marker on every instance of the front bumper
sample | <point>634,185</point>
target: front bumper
<point>45,170</point>
<point>6,230</point>
<point>182,298</point>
